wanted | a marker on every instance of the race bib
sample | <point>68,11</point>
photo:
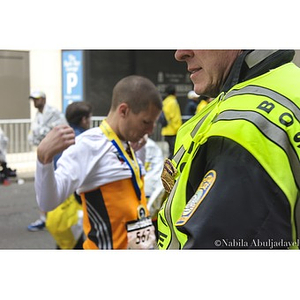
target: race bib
<point>141,234</point>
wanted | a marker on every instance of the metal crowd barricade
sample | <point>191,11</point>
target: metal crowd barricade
<point>22,156</point>
<point>96,121</point>
<point>16,130</point>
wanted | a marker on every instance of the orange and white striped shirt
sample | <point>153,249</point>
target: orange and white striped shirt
<point>96,169</point>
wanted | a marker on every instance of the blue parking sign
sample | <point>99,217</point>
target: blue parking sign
<point>72,77</point>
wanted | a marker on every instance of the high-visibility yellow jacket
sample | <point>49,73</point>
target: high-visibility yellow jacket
<point>172,114</point>
<point>238,170</point>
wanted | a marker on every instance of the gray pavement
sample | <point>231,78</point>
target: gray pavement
<point>18,208</point>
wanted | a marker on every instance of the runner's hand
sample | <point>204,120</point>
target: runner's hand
<point>55,142</point>
<point>138,145</point>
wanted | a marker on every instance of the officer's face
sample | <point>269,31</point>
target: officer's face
<point>209,68</point>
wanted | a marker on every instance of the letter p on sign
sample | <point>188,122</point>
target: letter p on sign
<point>72,80</point>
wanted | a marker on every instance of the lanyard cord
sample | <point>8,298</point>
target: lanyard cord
<point>127,155</point>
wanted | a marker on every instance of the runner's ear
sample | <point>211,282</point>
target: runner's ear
<point>123,109</point>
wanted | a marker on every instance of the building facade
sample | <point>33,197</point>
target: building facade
<point>87,75</point>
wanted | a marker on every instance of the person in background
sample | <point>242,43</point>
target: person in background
<point>5,171</point>
<point>234,179</point>
<point>46,118</point>
<point>192,103</point>
<point>203,101</point>
<point>102,167</point>
<point>78,115</point>
<point>172,115</point>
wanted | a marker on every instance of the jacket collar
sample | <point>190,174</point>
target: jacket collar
<point>253,63</point>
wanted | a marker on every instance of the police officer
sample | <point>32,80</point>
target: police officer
<point>234,179</point>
